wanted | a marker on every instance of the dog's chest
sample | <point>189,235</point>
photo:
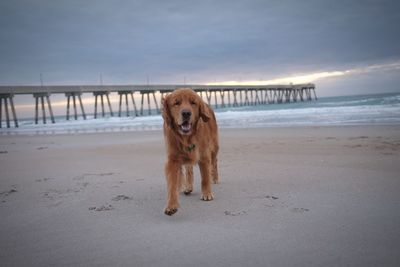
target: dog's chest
<point>190,154</point>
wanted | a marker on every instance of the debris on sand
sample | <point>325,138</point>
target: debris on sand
<point>121,197</point>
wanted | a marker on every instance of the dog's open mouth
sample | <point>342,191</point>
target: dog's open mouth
<point>185,127</point>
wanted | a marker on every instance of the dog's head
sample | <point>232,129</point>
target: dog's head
<point>182,109</point>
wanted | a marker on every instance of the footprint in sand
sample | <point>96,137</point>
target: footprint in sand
<point>5,194</point>
<point>53,194</point>
<point>275,203</point>
<point>272,197</point>
<point>121,197</point>
<point>358,137</point>
<point>354,146</point>
<point>299,210</point>
<point>85,175</point>
<point>235,213</point>
<point>265,197</point>
<point>102,208</point>
<point>83,185</point>
<point>331,138</point>
<point>108,207</point>
<point>43,180</point>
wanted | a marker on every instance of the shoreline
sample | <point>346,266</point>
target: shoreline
<point>159,129</point>
<point>382,109</point>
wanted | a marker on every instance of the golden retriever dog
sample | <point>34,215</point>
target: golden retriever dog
<point>191,137</point>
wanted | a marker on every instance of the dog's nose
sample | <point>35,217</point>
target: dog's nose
<point>186,114</point>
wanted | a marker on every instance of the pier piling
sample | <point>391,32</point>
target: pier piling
<point>147,93</point>
<point>41,96</point>
<point>74,96</point>
<point>124,94</point>
<point>101,95</point>
<point>5,98</point>
<point>235,103</point>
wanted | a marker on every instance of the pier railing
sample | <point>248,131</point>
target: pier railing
<point>228,96</point>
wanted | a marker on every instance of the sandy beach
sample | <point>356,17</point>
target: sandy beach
<point>301,196</point>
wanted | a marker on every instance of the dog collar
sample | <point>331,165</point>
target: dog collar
<point>191,147</point>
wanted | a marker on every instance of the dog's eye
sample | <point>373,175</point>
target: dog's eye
<point>193,103</point>
<point>177,103</point>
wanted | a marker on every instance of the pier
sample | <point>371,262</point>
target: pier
<point>215,95</point>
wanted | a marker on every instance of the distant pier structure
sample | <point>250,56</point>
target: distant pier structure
<point>219,96</point>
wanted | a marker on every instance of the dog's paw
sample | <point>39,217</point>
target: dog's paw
<point>187,191</point>
<point>207,196</point>
<point>170,211</point>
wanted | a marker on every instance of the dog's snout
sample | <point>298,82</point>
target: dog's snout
<point>186,114</point>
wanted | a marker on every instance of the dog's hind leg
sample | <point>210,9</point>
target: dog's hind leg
<point>189,180</point>
<point>205,171</point>
<point>214,168</point>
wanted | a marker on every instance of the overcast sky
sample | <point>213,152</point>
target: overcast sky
<point>128,42</point>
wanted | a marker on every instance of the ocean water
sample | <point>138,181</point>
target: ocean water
<point>342,110</point>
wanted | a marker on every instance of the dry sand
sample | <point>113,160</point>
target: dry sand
<point>327,196</point>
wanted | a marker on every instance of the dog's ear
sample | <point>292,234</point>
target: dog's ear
<point>166,113</point>
<point>204,111</point>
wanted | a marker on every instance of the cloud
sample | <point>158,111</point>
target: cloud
<point>72,42</point>
<point>313,77</point>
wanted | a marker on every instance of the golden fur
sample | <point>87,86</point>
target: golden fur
<point>191,137</point>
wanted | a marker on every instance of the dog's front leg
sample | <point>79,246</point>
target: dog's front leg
<point>206,193</point>
<point>189,180</point>
<point>173,173</point>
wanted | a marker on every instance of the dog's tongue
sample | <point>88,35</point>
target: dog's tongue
<point>185,126</point>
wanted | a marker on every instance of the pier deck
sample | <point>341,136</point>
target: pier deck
<point>236,95</point>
